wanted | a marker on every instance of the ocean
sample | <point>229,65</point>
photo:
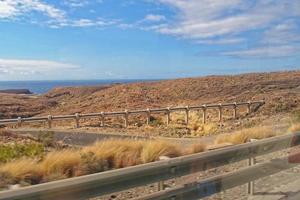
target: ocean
<point>41,87</point>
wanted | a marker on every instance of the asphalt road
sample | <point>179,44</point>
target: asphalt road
<point>83,138</point>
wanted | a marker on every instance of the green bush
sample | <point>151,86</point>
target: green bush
<point>10,152</point>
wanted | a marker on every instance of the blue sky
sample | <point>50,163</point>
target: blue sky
<point>128,39</point>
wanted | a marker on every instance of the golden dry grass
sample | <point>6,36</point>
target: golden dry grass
<point>295,127</point>
<point>101,156</point>
<point>196,148</point>
<point>118,153</point>
<point>240,137</point>
<point>154,149</point>
<point>23,170</point>
<point>62,162</point>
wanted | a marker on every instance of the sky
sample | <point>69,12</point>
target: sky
<point>146,39</point>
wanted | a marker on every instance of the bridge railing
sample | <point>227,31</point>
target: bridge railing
<point>108,182</point>
<point>147,112</point>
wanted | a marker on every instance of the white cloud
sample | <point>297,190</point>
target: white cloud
<point>265,52</point>
<point>82,23</point>
<point>15,66</point>
<point>212,18</point>
<point>7,10</point>
<point>76,3</point>
<point>217,22</point>
<point>56,18</point>
<point>154,18</point>
<point>284,33</point>
<point>221,41</point>
<point>12,9</point>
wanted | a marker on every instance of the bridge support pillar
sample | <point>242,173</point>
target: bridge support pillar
<point>126,119</point>
<point>220,113</point>
<point>77,118</point>
<point>248,107</point>
<point>49,120</point>
<point>187,110</point>
<point>19,123</point>
<point>234,110</point>
<point>204,109</point>
<point>148,116</point>
<point>102,119</point>
<point>168,116</point>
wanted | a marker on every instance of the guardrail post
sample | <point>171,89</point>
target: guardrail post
<point>204,114</point>
<point>234,110</point>
<point>126,118</point>
<point>102,119</point>
<point>187,109</point>
<point>19,123</point>
<point>220,113</point>
<point>77,117</point>
<point>148,116</point>
<point>168,116</point>
<point>49,120</point>
<point>161,184</point>
<point>250,188</point>
<point>248,107</point>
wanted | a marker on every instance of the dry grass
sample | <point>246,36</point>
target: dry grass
<point>62,162</point>
<point>196,126</point>
<point>101,156</point>
<point>23,170</point>
<point>154,149</point>
<point>196,148</point>
<point>206,129</point>
<point>118,153</point>
<point>244,135</point>
<point>295,127</point>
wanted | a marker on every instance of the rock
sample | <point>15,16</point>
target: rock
<point>164,157</point>
<point>14,187</point>
<point>16,91</point>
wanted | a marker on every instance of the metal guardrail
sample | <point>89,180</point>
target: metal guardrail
<point>121,179</point>
<point>49,119</point>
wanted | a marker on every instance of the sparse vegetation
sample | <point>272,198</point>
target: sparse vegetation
<point>46,137</point>
<point>242,136</point>
<point>196,148</point>
<point>295,127</point>
<point>12,147</point>
<point>15,150</point>
<point>154,149</point>
<point>102,156</point>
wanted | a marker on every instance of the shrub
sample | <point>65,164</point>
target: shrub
<point>154,149</point>
<point>23,170</point>
<point>47,138</point>
<point>196,148</point>
<point>10,152</point>
<point>204,129</point>
<point>63,162</point>
<point>91,164</point>
<point>101,156</point>
<point>244,135</point>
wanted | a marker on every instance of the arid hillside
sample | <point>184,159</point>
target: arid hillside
<point>280,90</point>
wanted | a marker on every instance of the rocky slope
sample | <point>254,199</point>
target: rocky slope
<point>281,91</point>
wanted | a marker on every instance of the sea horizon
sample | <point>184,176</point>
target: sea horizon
<point>44,86</point>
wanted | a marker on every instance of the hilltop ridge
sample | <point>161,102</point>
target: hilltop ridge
<point>281,91</point>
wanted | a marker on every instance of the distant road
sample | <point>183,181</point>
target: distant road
<point>83,138</point>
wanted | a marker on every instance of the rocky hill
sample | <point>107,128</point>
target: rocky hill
<point>16,91</point>
<point>281,91</point>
